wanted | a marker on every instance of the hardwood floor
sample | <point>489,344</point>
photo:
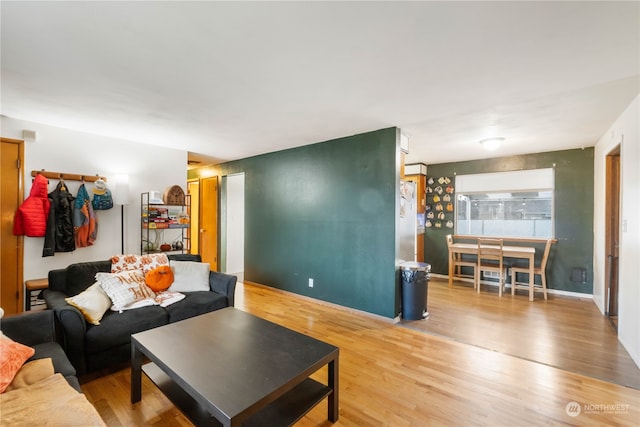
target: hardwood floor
<point>568,333</point>
<point>396,376</point>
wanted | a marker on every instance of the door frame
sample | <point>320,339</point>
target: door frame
<point>612,230</point>
<point>226,221</point>
<point>20,239</point>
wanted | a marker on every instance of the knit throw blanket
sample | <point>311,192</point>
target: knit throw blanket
<point>50,402</point>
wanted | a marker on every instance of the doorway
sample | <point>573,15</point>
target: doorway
<point>234,225</point>
<point>612,233</point>
<point>11,289</point>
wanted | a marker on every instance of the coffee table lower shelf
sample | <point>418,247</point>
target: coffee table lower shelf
<point>285,411</point>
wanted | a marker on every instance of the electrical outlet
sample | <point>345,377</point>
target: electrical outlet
<point>310,282</point>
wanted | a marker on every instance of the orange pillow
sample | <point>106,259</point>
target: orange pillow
<point>159,279</point>
<point>12,357</point>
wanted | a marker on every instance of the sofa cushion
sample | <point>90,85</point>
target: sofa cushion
<point>54,351</point>
<point>116,328</point>
<point>151,261</point>
<point>189,276</point>
<point>137,262</point>
<point>126,288</point>
<point>82,275</point>
<point>194,304</point>
<point>92,303</point>
<point>12,357</point>
<point>125,262</point>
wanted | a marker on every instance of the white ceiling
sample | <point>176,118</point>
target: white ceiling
<point>232,80</point>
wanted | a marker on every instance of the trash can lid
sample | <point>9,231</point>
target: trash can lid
<point>415,266</point>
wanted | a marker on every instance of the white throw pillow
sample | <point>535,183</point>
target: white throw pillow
<point>125,262</point>
<point>125,289</point>
<point>189,276</point>
<point>137,262</point>
<point>93,302</point>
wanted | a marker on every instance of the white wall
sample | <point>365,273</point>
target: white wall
<point>62,150</point>
<point>625,130</point>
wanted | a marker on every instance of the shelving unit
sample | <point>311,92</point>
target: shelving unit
<point>164,224</point>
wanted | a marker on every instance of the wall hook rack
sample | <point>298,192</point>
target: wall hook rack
<point>68,176</point>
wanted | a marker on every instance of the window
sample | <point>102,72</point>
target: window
<point>510,204</point>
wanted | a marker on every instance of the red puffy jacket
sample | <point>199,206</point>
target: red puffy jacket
<point>31,216</point>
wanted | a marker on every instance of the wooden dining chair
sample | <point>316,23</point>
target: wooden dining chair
<point>538,269</point>
<point>459,262</point>
<point>490,259</point>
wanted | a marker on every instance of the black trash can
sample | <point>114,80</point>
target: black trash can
<point>415,283</point>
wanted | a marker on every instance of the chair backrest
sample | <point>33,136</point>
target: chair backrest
<point>545,255</point>
<point>449,240</point>
<point>490,249</point>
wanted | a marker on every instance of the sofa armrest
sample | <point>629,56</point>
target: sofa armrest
<point>30,328</point>
<point>224,284</point>
<point>73,325</point>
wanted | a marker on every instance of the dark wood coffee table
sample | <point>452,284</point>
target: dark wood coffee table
<point>232,368</point>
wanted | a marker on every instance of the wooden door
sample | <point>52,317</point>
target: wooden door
<point>209,221</point>
<point>11,289</point>
<point>612,231</point>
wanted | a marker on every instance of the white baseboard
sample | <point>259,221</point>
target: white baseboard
<point>551,291</point>
<point>330,304</point>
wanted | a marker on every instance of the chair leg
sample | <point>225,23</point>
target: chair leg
<point>513,282</point>
<point>543,279</point>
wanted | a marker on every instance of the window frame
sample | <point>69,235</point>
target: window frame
<point>529,180</point>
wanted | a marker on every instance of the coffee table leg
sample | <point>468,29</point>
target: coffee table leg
<point>136,374</point>
<point>333,385</point>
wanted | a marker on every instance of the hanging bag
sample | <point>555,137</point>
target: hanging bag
<point>102,199</point>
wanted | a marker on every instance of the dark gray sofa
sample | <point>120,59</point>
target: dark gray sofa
<point>94,347</point>
<point>37,329</point>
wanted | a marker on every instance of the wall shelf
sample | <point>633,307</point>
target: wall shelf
<point>67,176</point>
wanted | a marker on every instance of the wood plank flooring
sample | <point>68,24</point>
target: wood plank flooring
<point>396,376</point>
<point>568,333</point>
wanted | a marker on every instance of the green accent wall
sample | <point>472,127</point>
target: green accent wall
<point>573,209</point>
<point>325,211</point>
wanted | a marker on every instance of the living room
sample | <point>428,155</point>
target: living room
<point>293,234</point>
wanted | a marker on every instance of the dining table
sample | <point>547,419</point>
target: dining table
<point>519,252</point>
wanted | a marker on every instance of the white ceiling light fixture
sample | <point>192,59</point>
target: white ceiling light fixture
<point>491,144</point>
